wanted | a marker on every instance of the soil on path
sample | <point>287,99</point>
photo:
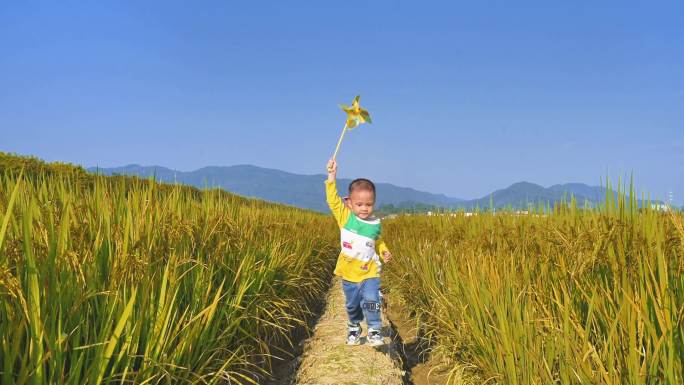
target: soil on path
<point>328,360</point>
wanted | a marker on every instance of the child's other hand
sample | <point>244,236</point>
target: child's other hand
<point>332,169</point>
<point>386,256</point>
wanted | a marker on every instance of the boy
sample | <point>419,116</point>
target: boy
<point>358,264</point>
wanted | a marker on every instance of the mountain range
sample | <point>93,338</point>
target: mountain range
<point>308,191</point>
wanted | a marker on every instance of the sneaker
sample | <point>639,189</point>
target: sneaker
<point>375,338</point>
<point>354,335</point>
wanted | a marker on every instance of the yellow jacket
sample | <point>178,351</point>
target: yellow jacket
<point>360,242</point>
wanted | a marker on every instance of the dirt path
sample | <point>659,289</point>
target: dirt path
<point>328,360</point>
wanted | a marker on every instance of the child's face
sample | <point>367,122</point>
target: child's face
<point>361,202</point>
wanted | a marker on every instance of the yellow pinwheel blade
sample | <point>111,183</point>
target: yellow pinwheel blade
<point>351,123</point>
<point>355,102</point>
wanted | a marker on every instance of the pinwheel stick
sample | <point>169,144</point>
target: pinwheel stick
<point>344,129</point>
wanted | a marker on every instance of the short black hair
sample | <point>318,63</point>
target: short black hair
<point>361,184</point>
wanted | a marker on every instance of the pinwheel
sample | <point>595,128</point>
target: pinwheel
<point>355,116</point>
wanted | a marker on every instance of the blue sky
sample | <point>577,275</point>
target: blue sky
<point>465,98</point>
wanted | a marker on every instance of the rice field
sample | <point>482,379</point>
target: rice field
<point>120,280</point>
<point>564,296</point>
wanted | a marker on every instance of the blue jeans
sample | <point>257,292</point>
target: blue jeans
<point>363,300</point>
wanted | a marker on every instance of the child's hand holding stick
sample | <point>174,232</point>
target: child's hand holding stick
<point>332,170</point>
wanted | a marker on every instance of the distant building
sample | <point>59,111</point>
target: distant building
<point>660,206</point>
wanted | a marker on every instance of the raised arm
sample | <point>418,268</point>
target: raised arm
<point>337,207</point>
